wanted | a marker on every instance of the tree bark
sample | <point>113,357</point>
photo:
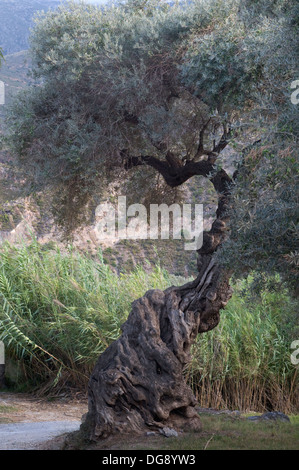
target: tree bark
<point>138,382</point>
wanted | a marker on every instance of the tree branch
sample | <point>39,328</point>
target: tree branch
<point>175,173</point>
<point>214,153</point>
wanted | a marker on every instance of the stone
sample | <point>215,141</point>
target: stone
<point>168,432</point>
<point>270,416</point>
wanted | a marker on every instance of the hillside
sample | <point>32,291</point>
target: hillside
<point>14,74</point>
<point>16,21</point>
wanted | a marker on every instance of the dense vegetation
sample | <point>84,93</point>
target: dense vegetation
<point>166,87</point>
<point>61,310</point>
<point>264,219</point>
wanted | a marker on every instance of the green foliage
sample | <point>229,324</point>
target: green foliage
<point>264,215</point>
<point>221,66</point>
<point>244,363</point>
<point>60,310</point>
<point>98,69</point>
<point>142,7</point>
<point>146,79</point>
<point>94,67</point>
<point>264,219</point>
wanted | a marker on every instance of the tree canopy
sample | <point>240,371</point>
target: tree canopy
<point>168,88</point>
<point>264,219</point>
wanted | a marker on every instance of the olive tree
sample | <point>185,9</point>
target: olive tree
<point>165,89</point>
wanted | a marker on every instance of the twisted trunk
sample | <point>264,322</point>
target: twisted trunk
<point>137,383</point>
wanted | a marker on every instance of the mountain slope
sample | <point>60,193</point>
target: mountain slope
<point>14,73</point>
<point>16,21</point>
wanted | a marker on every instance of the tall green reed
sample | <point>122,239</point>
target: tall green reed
<point>60,309</point>
<point>245,363</point>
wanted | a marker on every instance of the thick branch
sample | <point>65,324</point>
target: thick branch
<point>176,174</point>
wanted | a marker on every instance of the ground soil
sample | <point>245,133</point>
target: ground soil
<point>22,408</point>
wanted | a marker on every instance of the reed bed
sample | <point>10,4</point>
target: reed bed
<point>245,362</point>
<point>59,310</point>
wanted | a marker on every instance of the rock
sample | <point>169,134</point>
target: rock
<point>168,432</point>
<point>212,411</point>
<point>151,433</point>
<point>253,418</point>
<point>270,416</point>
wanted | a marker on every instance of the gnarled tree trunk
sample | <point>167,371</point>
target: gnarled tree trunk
<point>138,383</point>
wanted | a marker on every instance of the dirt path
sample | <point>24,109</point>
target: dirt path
<point>27,422</point>
<point>30,436</point>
